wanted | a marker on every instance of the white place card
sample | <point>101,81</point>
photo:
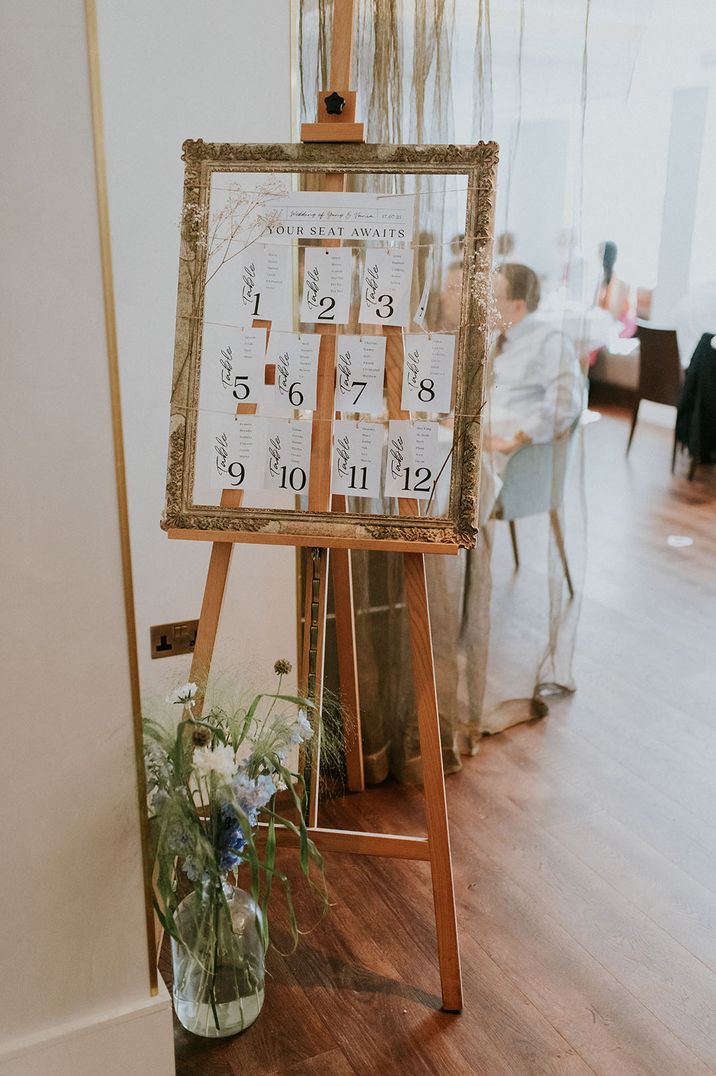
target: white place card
<point>427,372</point>
<point>233,363</point>
<point>412,459</point>
<point>295,356</point>
<point>265,289</point>
<point>238,452</point>
<point>360,372</point>
<point>327,285</point>
<point>288,454</point>
<point>357,454</point>
<point>385,290</point>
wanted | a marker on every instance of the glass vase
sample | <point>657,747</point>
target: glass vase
<point>218,962</point>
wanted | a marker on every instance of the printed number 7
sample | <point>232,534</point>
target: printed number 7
<point>355,385</point>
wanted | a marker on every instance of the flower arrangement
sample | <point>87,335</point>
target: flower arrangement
<point>210,781</point>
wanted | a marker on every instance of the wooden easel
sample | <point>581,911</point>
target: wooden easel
<point>435,847</point>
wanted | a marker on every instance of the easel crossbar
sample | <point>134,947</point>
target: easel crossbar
<point>356,842</point>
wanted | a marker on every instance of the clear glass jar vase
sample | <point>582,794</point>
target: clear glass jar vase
<point>218,962</point>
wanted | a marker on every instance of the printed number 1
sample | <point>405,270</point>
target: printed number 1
<point>256,305</point>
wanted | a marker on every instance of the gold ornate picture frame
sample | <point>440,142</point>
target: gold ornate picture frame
<point>465,174</point>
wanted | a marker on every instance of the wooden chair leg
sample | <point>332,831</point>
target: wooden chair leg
<point>416,596</point>
<point>692,469</point>
<point>633,425</point>
<point>513,536</point>
<point>559,539</point>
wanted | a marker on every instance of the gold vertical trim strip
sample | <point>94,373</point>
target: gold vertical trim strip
<point>116,403</point>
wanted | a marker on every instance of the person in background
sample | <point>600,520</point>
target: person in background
<point>612,293</point>
<point>537,385</point>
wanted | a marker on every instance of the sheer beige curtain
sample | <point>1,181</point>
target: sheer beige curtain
<point>520,73</point>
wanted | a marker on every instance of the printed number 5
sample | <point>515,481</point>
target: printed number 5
<point>241,386</point>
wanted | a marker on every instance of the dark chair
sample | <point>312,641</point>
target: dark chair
<point>696,414</point>
<point>660,373</point>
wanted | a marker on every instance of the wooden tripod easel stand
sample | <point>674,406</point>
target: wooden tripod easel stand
<point>435,847</point>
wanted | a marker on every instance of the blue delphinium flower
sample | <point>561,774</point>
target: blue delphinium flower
<point>230,840</point>
<point>192,869</point>
<point>253,793</point>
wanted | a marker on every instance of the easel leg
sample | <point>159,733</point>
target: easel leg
<point>312,659</point>
<point>347,666</point>
<point>214,589</point>
<point>416,596</point>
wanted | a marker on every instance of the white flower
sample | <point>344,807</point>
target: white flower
<point>220,761</point>
<point>184,694</point>
<point>304,725</point>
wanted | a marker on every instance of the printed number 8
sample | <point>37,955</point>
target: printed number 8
<point>427,386</point>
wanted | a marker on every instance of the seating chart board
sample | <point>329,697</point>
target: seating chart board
<point>330,344</point>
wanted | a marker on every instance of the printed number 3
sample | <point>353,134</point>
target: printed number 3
<point>386,309</point>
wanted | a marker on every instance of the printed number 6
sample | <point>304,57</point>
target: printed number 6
<point>295,395</point>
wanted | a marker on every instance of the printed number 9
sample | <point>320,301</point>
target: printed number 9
<point>238,474</point>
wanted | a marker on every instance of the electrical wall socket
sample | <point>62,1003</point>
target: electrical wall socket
<point>168,640</point>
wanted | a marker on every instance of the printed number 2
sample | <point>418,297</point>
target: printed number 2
<point>422,480</point>
<point>327,304</point>
<point>387,306</point>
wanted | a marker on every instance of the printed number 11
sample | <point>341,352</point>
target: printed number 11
<point>364,483</point>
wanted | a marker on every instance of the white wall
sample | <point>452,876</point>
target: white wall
<point>171,70</point>
<point>75,982</point>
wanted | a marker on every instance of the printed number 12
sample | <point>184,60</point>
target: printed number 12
<point>422,480</point>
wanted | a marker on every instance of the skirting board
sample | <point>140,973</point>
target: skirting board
<point>126,1042</point>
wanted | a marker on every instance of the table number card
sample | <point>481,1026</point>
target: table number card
<point>265,284</point>
<point>360,372</point>
<point>357,453</point>
<point>295,356</point>
<point>327,285</point>
<point>427,372</point>
<point>412,459</point>
<point>385,290</point>
<point>238,452</point>
<point>288,454</point>
<point>233,361</point>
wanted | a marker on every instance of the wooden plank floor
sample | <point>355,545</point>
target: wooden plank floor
<point>584,844</point>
